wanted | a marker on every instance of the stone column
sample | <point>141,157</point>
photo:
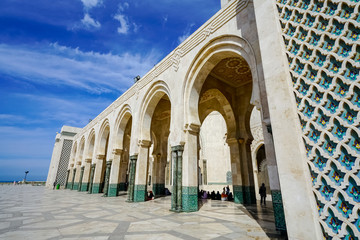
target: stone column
<point>190,169</point>
<point>77,176</point>
<point>115,173</point>
<point>273,177</point>
<point>234,145</point>
<point>92,171</point>
<point>296,189</point>
<point>73,178</point>
<point>123,178</point>
<point>86,176</point>
<point>107,177</point>
<point>81,178</point>
<point>249,189</point>
<point>67,179</point>
<point>141,173</point>
<point>133,160</point>
<point>158,175</point>
<point>98,175</point>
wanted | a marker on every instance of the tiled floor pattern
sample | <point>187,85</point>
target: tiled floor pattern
<point>29,212</point>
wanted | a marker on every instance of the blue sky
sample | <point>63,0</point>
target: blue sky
<point>63,61</point>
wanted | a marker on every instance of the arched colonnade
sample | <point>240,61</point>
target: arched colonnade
<point>161,126</point>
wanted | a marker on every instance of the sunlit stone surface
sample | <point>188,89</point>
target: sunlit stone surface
<point>28,212</point>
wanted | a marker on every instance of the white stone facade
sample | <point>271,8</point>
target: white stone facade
<point>236,61</point>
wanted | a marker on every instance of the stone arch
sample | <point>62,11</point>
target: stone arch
<point>81,149</point>
<point>150,101</point>
<point>120,124</point>
<point>74,152</point>
<point>103,137</point>
<point>218,49</point>
<point>90,144</point>
<point>224,108</point>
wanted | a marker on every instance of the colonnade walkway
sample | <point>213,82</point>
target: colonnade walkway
<point>31,212</point>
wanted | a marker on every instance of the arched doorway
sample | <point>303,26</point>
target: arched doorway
<point>89,164</point>
<point>222,78</point>
<point>154,131</point>
<point>214,155</point>
<point>121,153</point>
<point>102,152</point>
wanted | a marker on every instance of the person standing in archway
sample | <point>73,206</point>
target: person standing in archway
<point>262,192</point>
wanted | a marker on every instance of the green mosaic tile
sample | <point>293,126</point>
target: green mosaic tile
<point>75,186</point>
<point>238,194</point>
<point>158,189</point>
<point>113,190</point>
<point>139,193</point>
<point>84,187</point>
<point>249,195</point>
<point>278,210</point>
<point>189,199</point>
<point>96,188</point>
<point>122,186</point>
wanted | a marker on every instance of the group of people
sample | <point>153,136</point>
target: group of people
<point>226,195</point>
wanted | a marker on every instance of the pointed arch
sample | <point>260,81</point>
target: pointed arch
<point>74,151</point>
<point>149,103</point>
<point>81,149</point>
<point>104,133</point>
<point>121,122</point>
<point>223,107</point>
<point>222,47</point>
<point>90,144</point>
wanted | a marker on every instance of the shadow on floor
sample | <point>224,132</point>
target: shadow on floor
<point>264,216</point>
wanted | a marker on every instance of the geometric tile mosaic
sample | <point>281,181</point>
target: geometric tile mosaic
<point>64,162</point>
<point>323,50</point>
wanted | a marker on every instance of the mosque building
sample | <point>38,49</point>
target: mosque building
<point>263,92</point>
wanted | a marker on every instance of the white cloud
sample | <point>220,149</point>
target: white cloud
<point>123,6</point>
<point>88,4</point>
<point>89,22</point>
<point>124,25</point>
<point>186,33</point>
<point>60,65</point>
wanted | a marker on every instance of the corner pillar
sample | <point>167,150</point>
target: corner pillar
<point>86,176</point>
<point>190,169</point>
<point>158,175</point>
<point>141,173</point>
<point>115,173</point>
<point>98,174</point>
<point>77,176</point>
<point>236,172</point>
<point>81,177</point>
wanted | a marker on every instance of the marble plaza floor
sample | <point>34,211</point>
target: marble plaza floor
<point>30,212</point>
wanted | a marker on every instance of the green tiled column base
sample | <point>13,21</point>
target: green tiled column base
<point>96,188</point>
<point>75,186</point>
<point>278,210</point>
<point>113,190</point>
<point>249,195</point>
<point>139,193</point>
<point>122,186</point>
<point>253,195</point>
<point>190,199</point>
<point>68,186</point>
<point>158,189</point>
<point>84,187</point>
<point>238,194</point>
